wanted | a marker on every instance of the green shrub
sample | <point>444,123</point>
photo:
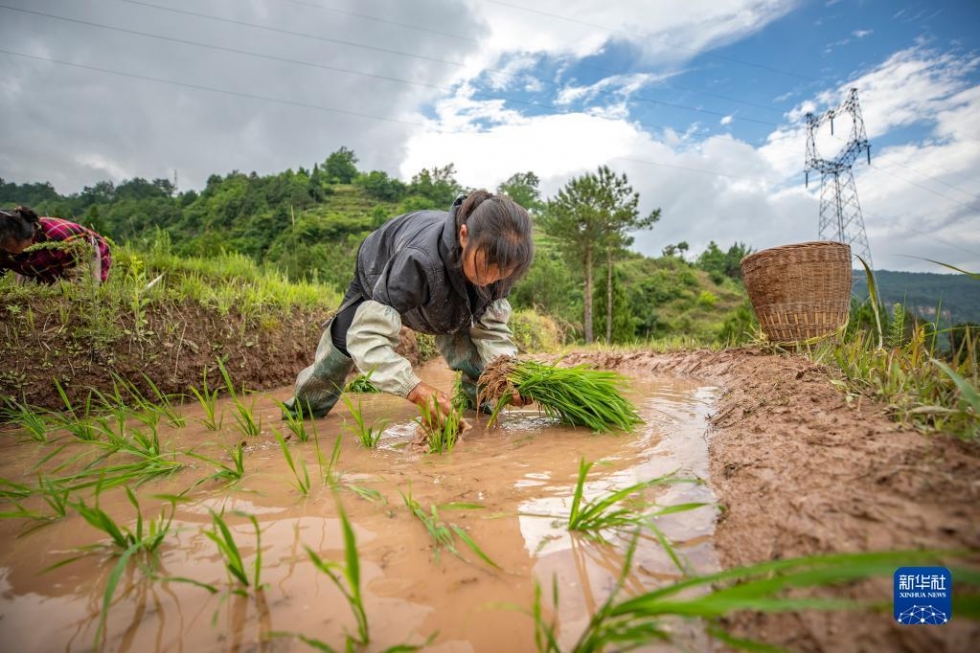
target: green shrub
<point>534,332</point>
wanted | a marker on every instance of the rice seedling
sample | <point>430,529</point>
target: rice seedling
<point>368,436</point>
<point>162,405</point>
<point>302,482</point>
<point>295,422</point>
<point>209,402</point>
<point>607,512</point>
<point>30,420</point>
<point>79,426</point>
<point>223,472</point>
<point>327,473</point>
<point>54,495</point>
<point>442,534</point>
<point>362,384</point>
<point>13,491</point>
<point>137,472</point>
<point>244,415</point>
<point>346,577</point>
<point>627,623</point>
<point>221,535</point>
<point>441,434</point>
<point>578,395</point>
<point>145,539</point>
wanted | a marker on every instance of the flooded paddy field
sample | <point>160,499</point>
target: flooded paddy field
<point>508,490</point>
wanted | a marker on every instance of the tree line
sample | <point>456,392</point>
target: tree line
<point>308,224</point>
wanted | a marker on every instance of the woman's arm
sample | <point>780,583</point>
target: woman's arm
<point>491,336</point>
<point>371,341</point>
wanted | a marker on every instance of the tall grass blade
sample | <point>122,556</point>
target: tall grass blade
<point>875,301</point>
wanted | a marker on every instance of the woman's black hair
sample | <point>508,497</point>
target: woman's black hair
<point>19,224</point>
<point>501,229</point>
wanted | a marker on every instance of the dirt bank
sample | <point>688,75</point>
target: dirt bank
<point>173,348</point>
<point>801,469</point>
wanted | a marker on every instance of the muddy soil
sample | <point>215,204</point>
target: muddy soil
<point>798,466</point>
<point>176,346</point>
<point>801,468</point>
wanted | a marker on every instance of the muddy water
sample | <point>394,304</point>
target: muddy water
<point>522,474</point>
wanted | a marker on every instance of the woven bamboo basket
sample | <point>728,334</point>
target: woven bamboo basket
<point>800,292</point>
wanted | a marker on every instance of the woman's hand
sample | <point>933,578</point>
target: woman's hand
<point>517,400</point>
<point>431,401</point>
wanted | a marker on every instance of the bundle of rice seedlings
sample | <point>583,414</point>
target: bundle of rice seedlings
<point>578,395</point>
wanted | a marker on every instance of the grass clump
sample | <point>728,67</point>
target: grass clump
<point>578,395</point>
<point>898,361</point>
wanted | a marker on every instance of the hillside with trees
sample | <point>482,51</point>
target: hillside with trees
<point>957,296</point>
<point>307,224</point>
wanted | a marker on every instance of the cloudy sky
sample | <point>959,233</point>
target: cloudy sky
<point>702,103</point>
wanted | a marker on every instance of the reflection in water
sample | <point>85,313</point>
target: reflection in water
<point>522,474</point>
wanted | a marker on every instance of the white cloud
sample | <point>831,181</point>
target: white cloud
<point>723,189</point>
<point>727,120</point>
<point>861,33</point>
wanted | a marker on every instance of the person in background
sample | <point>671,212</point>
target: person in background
<point>71,244</point>
<point>437,272</point>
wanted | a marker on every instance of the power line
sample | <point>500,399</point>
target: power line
<point>291,33</point>
<point>220,48</point>
<point>607,71</point>
<point>926,188</point>
<point>317,107</point>
<point>379,20</point>
<point>927,235</point>
<point>537,106</point>
<point>973,196</point>
<point>212,89</point>
<point>636,97</point>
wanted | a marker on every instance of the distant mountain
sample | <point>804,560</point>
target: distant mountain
<point>923,293</point>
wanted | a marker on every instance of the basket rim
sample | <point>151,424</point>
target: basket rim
<point>810,244</point>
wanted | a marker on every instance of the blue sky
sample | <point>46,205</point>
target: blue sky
<point>700,102</point>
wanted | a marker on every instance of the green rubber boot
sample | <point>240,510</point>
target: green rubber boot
<point>319,386</point>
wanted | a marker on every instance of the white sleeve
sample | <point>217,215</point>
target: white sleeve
<point>371,340</point>
<point>491,336</point>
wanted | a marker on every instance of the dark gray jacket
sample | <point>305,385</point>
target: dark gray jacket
<point>409,263</point>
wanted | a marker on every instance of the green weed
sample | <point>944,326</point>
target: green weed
<point>932,394</point>
<point>628,623</point>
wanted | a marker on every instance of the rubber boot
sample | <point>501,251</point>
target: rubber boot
<point>461,356</point>
<point>319,386</point>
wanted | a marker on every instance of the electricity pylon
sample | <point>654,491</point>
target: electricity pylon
<point>840,212</point>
